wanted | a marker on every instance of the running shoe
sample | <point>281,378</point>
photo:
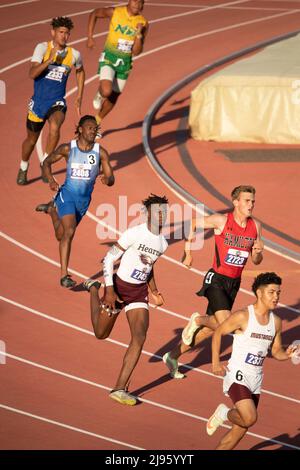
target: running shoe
<point>22,177</point>
<point>67,281</point>
<point>123,397</point>
<point>97,101</point>
<point>172,365</point>
<point>216,419</point>
<point>190,329</point>
<point>91,282</point>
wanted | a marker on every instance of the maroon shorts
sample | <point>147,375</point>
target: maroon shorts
<point>239,392</point>
<point>133,295</point>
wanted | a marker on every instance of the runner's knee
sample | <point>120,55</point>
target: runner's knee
<point>69,232</point>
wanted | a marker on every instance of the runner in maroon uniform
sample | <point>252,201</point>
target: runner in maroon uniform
<point>237,236</point>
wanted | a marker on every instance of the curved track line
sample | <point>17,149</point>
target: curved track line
<point>124,345</point>
<point>67,426</point>
<point>159,170</point>
<point>15,4</point>
<point>148,402</point>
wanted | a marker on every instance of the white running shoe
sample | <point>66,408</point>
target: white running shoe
<point>123,397</point>
<point>172,365</point>
<point>216,419</point>
<point>97,101</point>
<point>190,329</point>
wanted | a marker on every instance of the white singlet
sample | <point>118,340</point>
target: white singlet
<point>249,350</point>
<point>142,248</point>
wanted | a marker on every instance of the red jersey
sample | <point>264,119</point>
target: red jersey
<point>233,246</point>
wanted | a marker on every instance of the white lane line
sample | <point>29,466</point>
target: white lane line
<point>149,402</point>
<point>27,25</point>
<point>67,426</point>
<point>17,3</point>
<point>89,11</point>
<point>124,345</point>
<point>22,61</point>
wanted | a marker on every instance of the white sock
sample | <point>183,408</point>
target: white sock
<point>24,165</point>
<point>42,158</point>
<point>224,412</point>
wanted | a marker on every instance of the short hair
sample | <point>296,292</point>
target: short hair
<point>62,22</point>
<point>87,117</point>
<point>235,193</point>
<point>264,279</point>
<point>154,199</point>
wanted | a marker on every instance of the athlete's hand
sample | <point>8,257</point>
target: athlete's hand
<point>53,53</point>
<point>257,247</point>
<point>90,44</point>
<point>292,348</point>
<point>158,298</point>
<point>78,105</point>
<point>108,303</point>
<point>53,184</point>
<point>187,259</point>
<point>139,28</point>
<point>104,179</point>
<point>219,369</point>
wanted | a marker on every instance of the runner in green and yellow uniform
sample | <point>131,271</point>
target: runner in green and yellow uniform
<point>127,32</point>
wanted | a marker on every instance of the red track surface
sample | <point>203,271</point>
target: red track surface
<point>33,300</point>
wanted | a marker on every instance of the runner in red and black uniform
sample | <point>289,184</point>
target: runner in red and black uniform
<point>237,235</point>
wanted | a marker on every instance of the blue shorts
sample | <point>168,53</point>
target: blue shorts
<point>68,203</point>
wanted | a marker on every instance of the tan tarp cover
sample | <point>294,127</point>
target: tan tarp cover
<point>254,100</point>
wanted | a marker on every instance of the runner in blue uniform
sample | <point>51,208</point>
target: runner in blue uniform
<point>84,159</point>
<point>51,65</point>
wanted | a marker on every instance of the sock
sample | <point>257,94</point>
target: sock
<point>24,165</point>
<point>42,158</point>
<point>224,412</point>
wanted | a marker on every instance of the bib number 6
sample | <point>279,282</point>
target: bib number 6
<point>239,376</point>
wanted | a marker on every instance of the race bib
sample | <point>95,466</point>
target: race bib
<point>236,257</point>
<point>80,171</point>
<point>56,73</point>
<point>254,360</point>
<point>124,45</point>
<point>139,275</point>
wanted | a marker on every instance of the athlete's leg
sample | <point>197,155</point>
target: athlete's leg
<point>101,321</point>
<point>232,438</point>
<point>55,120</point>
<point>138,320</point>
<point>243,416</point>
<point>50,209</point>
<point>69,227</point>
<point>29,144</point>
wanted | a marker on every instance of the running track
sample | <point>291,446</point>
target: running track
<point>54,386</point>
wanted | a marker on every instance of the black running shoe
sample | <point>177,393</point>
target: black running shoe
<point>44,207</point>
<point>67,281</point>
<point>91,282</point>
<point>22,177</point>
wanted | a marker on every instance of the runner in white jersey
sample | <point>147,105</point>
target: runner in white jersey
<point>255,328</point>
<point>139,248</point>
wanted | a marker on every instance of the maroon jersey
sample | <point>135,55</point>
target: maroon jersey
<point>233,246</point>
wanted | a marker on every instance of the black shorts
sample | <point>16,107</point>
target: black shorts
<point>219,290</point>
<point>38,126</point>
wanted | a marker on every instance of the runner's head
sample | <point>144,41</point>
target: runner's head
<point>157,209</point>
<point>87,128</point>
<point>243,199</point>
<point>61,28</point>
<point>135,7</point>
<point>266,287</point>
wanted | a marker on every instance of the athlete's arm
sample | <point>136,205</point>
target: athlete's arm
<point>157,296</point>
<point>258,246</point>
<point>80,78</point>
<point>216,221</point>
<point>277,350</point>
<point>108,268</point>
<point>108,174</point>
<point>142,31</point>
<point>97,13</point>
<point>61,152</point>
<point>236,321</point>
<point>37,65</point>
